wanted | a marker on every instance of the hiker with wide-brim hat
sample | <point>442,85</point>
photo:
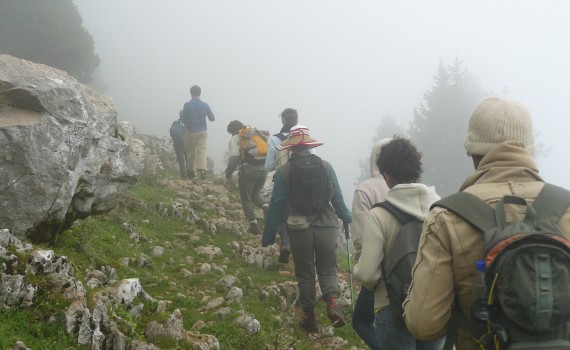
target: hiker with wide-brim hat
<point>313,223</point>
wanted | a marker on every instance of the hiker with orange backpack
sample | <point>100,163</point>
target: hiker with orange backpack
<point>247,150</point>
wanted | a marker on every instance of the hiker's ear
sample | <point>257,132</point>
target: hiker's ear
<point>389,180</point>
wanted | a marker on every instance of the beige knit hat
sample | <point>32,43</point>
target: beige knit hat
<point>497,120</point>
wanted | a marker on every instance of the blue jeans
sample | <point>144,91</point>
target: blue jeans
<point>363,318</point>
<point>392,337</point>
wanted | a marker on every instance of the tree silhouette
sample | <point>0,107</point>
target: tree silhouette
<point>439,125</point>
<point>49,32</point>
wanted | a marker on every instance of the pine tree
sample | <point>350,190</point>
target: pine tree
<point>49,32</point>
<point>439,125</point>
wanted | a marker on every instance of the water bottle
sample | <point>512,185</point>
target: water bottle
<point>480,308</point>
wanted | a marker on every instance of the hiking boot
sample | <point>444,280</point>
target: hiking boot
<point>191,175</point>
<point>334,313</point>
<point>203,175</point>
<point>284,255</point>
<point>309,321</point>
<point>254,228</point>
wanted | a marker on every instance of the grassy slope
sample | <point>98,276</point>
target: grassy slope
<point>102,240</point>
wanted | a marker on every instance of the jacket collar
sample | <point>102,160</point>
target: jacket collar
<point>508,161</point>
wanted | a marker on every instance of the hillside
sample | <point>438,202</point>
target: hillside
<point>204,281</point>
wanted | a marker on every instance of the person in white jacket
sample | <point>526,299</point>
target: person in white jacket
<point>366,194</point>
<point>399,163</point>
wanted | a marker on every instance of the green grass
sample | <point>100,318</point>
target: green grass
<point>36,333</point>
<point>104,241</point>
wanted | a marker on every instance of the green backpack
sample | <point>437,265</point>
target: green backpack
<point>527,270</point>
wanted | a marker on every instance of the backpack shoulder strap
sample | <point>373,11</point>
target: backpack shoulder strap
<point>400,215</point>
<point>280,136</point>
<point>471,208</point>
<point>551,202</point>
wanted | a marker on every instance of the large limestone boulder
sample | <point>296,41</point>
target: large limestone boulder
<point>62,156</point>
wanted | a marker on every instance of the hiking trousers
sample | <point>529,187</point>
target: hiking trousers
<point>314,256</point>
<point>363,318</point>
<point>250,186</point>
<point>392,337</point>
<point>196,147</point>
<point>181,157</point>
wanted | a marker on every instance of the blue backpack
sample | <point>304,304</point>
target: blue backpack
<point>177,132</point>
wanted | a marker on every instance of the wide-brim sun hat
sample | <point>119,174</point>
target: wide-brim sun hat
<point>299,136</point>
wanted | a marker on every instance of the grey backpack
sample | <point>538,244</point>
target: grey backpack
<point>527,270</point>
<point>401,257</point>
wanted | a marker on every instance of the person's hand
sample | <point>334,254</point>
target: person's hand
<point>225,182</point>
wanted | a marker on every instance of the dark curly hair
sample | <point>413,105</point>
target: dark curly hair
<point>400,159</point>
<point>234,126</point>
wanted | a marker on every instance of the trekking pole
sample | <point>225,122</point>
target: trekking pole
<point>347,236</point>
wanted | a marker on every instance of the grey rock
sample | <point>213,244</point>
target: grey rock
<point>209,251</point>
<point>85,331</point>
<point>76,164</point>
<point>214,303</point>
<point>157,251</point>
<point>227,281</point>
<point>128,289</point>
<point>235,295</point>
<point>205,268</point>
<point>162,305</point>
<point>248,323</point>
<point>93,283</point>
<point>15,292</point>
<point>224,312</point>
<point>19,345</point>
<point>98,275</point>
<point>141,345</point>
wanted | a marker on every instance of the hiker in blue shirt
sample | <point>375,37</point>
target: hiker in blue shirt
<point>194,116</point>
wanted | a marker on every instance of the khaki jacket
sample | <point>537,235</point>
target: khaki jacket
<point>445,265</point>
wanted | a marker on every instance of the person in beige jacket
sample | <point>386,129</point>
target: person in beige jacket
<point>366,194</point>
<point>400,164</point>
<point>500,141</point>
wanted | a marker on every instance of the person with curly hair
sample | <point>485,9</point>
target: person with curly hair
<point>400,164</point>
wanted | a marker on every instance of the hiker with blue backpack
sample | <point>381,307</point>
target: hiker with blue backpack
<point>390,242</point>
<point>247,150</point>
<point>493,267</point>
<point>177,135</point>
<point>306,195</point>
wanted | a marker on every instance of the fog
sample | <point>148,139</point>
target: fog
<point>342,64</point>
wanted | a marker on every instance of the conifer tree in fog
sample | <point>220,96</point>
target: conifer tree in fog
<point>439,125</point>
<point>49,32</point>
<point>388,127</point>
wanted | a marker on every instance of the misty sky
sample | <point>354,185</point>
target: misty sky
<point>342,64</point>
